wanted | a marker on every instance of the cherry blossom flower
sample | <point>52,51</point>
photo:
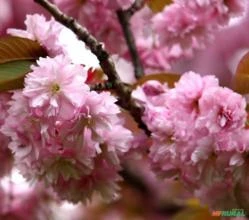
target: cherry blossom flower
<point>55,86</point>
<point>198,134</point>
<point>57,39</point>
<point>221,109</point>
<point>63,134</point>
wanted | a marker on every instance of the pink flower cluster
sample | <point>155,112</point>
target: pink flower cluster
<point>100,19</point>
<point>56,39</point>
<point>59,131</point>
<point>199,135</point>
<point>183,27</point>
<point>64,134</point>
<point>177,31</point>
<point>73,139</point>
<point>197,18</point>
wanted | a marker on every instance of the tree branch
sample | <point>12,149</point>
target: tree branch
<point>102,86</point>
<point>137,5</point>
<point>137,182</point>
<point>106,64</point>
<point>124,17</point>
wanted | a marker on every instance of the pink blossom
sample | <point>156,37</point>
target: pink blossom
<point>221,109</point>
<point>63,151</point>
<point>188,140</point>
<point>102,180</point>
<point>220,10</point>
<point>197,20</point>
<point>124,69</point>
<point>188,91</point>
<point>55,86</point>
<point>57,39</point>
<point>183,27</point>
<point>46,33</point>
<point>73,6</point>
<point>91,14</point>
<point>151,92</point>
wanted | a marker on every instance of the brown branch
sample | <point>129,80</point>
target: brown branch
<point>136,6</point>
<point>137,182</point>
<point>106,64</point>
<point>124,17</point>
<point>102,86</point>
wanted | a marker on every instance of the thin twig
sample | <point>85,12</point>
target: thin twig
<point>136,6</point>
<point>124,20</point>
<point>105,61</point>
<point>102,86</point>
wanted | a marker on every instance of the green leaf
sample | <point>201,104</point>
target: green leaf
<point>16,56</point>
<point>12,74</point>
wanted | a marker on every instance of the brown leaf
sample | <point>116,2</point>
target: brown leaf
<point>241,83</point>
<point>243,66</point>
<point>17,48</point>
<point>169,78</point>
<point>16,56</point>
<point>241,78</point>
<point>158,5</point>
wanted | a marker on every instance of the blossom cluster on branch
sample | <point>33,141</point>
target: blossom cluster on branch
<point>199,135</point>
<point>85,120</point>
<point>162,38</point>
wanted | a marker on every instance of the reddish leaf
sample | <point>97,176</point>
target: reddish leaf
<point>95,76</point>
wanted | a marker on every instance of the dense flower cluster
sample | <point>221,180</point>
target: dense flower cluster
<point>185,26</point>
<point>92,13</point>
<point>57,40</point>
<point>199,135</point>
<point>61,134</point>
<point>64,134</point>
<point>163,37</point>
